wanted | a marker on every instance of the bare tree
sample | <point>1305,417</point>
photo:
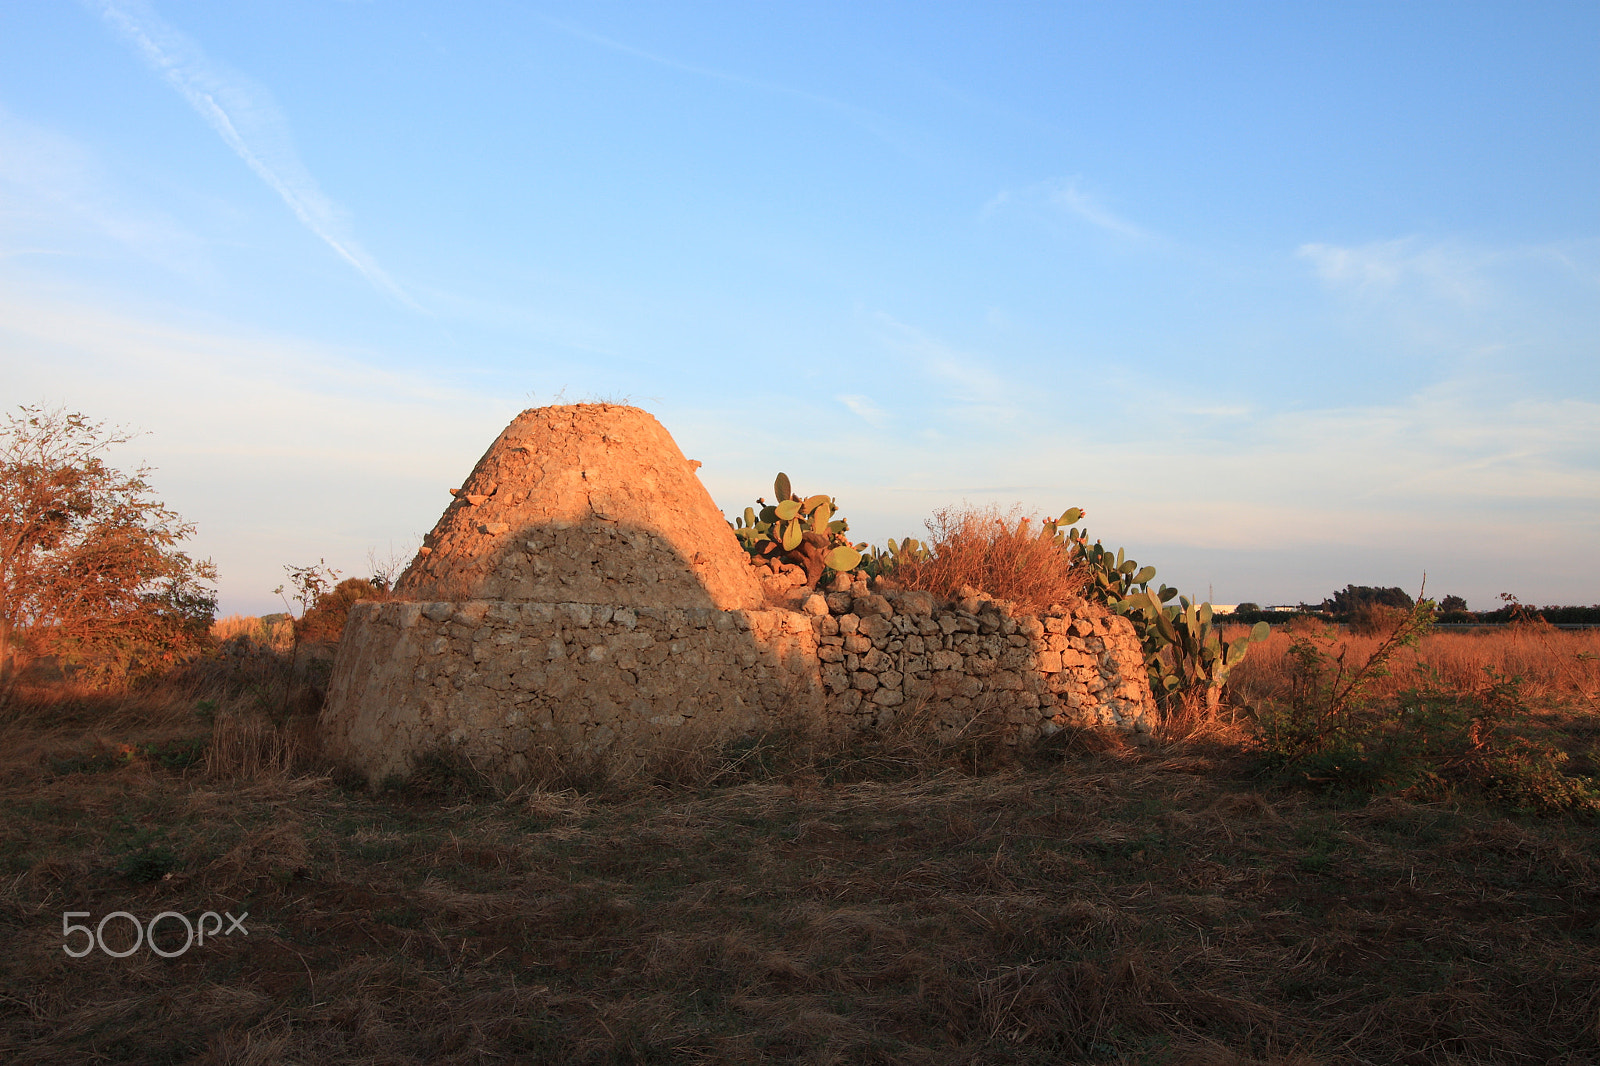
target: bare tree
<point>89,563</point>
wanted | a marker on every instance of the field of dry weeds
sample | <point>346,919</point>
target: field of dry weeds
<point>889,900</point>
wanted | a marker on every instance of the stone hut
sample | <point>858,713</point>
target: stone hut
<point>582,596</point>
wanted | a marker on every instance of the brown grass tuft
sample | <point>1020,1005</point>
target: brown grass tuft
<point>914,895</point>
<point>1006,555</point>
<point>1554,664</point>
<point>248,746</point>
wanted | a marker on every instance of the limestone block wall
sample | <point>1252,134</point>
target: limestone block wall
<point>583,596</point>
<point>510,683</point>
<point>1080,666</point>
<point>506,682</point>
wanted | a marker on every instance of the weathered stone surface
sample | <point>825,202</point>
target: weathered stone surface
<point>617,617</point>
<point>584,503</point>
<point>394,693</point>
<point>868,604</point>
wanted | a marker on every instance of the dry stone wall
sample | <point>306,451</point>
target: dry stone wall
<point>582,597</point>
<point>513,685</point>
<point>1079,666</point>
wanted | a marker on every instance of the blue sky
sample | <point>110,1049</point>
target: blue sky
<point>1287,296</point>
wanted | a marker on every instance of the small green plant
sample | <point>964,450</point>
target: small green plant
<point>147,864</point>
<point>1430,741</point>
<point>799,531</point>
<point>883,562</point>
<point>1186,658</point>
<point>1185,654</point>
<point>146,858</point>
<point>177,755</point>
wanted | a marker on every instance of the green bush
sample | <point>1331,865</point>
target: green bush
<point>1431,741</point>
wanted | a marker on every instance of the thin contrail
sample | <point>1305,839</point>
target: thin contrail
<point>248,122</point>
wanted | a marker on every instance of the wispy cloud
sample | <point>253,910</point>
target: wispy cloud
<point>1444,465</point>
<point>281,449</point>
<point>53,190</point>
<point>1379,268</point>
<point>865,409</point>
<point>1069,198</point>
<point>970,386</point>
<point>1537,303</point>
<point>244,115</point>
<point>1075,200</point>
<point>869,120</point>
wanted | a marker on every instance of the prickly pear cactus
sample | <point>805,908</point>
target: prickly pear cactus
<point>1184,650</point>
<point>800,531</point>
<point>882,562</point>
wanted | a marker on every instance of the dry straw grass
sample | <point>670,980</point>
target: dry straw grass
<point>911,895</point>
<point>246,745</point>
<point>1004,554</point>
<point>279,635</point>
<point>1554,664</point>
<point>898,898</point>
<point>235,625</point>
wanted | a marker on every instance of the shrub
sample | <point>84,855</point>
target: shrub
<point>1433,741</point>
<point>1353,597</point>
<point>90,570</point>
<point>1008,556</point>
<point>1326,692</point>
<point>324,621</point>
<point>1372,619</point>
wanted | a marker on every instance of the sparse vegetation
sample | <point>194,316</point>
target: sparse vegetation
<point>1430,741</point>
<point>90,570</point>
<point>1005,555</point>
<point>885,899</point>
<point>897,895</point>
<point>1556,667</point>
<point>805,532</point>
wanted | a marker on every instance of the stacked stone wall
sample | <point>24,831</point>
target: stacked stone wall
<point>582,596</point>
<point>1078,666</point>
<point>510,684</point>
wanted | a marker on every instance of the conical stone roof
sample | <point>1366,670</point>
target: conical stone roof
<point>584,503</point>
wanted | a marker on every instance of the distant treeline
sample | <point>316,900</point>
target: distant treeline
<point>1248,614</point>
<point>1556,616</point>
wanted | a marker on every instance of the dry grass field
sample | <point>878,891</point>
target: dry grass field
<point>886,900</point>
<point>1555,664</point>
